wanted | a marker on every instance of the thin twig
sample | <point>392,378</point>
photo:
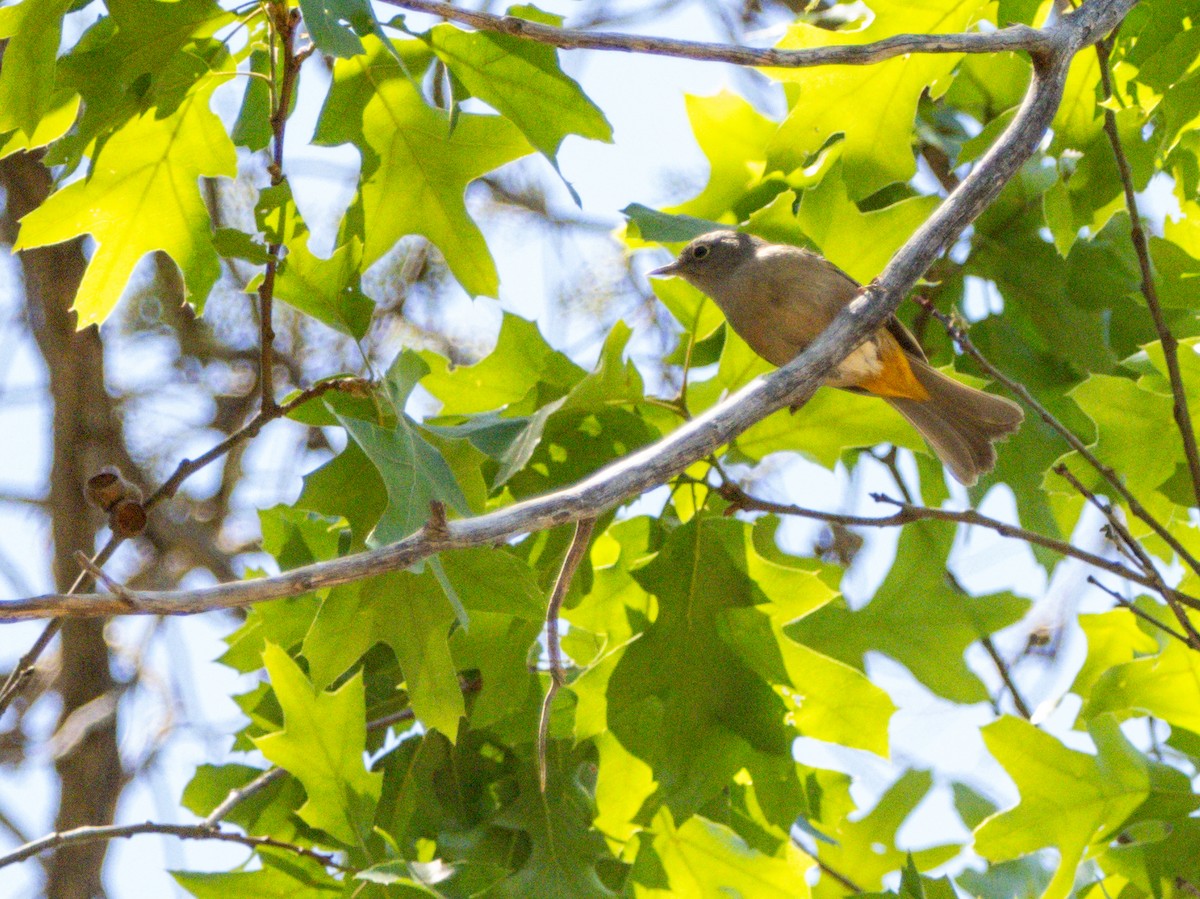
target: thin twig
<point>1170,346</point>
<point>239,795</point>
<point>558,677</point>
<point>959,336</point>
<point>283,23</point>
<point>909,513</point>
<point>889,461</point>
<point>1001,666</point>
<point>92,834</point>
<point>1140,554</point>
<point>1145,616</point>
<point>985,640</point>
<point>1014,38</point>
<point>113,586</point>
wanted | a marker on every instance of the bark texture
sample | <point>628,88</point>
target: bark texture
<point>86,756</point>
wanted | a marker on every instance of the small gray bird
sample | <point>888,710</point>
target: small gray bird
<point>779,298</point>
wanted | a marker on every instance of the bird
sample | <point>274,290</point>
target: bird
<point>779,298</point>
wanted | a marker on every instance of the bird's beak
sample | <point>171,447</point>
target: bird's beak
<point>668,269</point>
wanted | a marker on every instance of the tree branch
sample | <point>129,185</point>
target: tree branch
<point>1150,619</point>
<point>1139,554</point>
<point>81,835</point>
<point>1170,346</point>
<point>1014,38</point>
<point>909,513</point>
<point>655,464</point>
<point>959,336</point>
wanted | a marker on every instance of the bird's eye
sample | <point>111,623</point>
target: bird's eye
<point>700,252</point>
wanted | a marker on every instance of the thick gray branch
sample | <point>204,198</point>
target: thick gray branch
<point>1016,37</point>
<point>656,464</point>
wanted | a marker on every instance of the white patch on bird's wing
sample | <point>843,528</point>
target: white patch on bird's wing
<point>861,365</point>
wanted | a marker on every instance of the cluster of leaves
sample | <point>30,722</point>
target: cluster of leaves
<point>700,650</point>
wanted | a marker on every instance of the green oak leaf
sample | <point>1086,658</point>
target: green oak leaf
<point>330,290</point>
<point>521,360</point>
<point>698,314</point>
<point>878,137</point>
<point>1069,799</point>
<point>1025,876</point>
<point>867,846</point>
<point>144,55</point>
<point>269,810</point>
<point>64,107</point>
<point>701,858</point>
<point>826,426</point>
<point>680,697</point>
<point>324,20</point>
<point>252,129</point>
<point>829,700</point>
<point>414,474</point>
<point>1078,118</point>
<point>397,876</point>
<point>564,848</point>
<point>662,227</point>
<point>143,194</point>
<point>861,243</point>
<point>416,164</point>
<point>1157,843</point>
<point>293,538</point>
<point>1129,418</point>
<point>1011,12</point>
<point>914,886</point>
<point>614,380</point>
<point>322,744</point>
<point>623,783</point>
<point>915,618</point>
<point>733,135</point>
<point>231,243</point>
<point>522,81</point>
<point>348,487</point>
<point>410,613</point>
<point>297,878</point>
<point>1166,685</point>
<point>1113,638</point>
<point>33,30</point>
<point>987,86</point>
<point>498,646</point>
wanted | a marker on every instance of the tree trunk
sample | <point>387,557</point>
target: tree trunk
<point>87,761</point>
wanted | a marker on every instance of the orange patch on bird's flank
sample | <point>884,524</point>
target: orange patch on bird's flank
<point>896,378</point>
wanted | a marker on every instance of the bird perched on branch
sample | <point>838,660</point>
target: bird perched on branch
<point>779,298</point>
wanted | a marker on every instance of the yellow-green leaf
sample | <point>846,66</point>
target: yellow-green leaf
<point>142,194</point>
<point>872,106</point>
<point>322,744</point>
<point>1069,799</point>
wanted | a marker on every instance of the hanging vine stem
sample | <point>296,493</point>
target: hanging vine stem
<point>558,675</point>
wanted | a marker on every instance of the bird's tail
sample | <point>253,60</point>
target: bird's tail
<point>959,422</point>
